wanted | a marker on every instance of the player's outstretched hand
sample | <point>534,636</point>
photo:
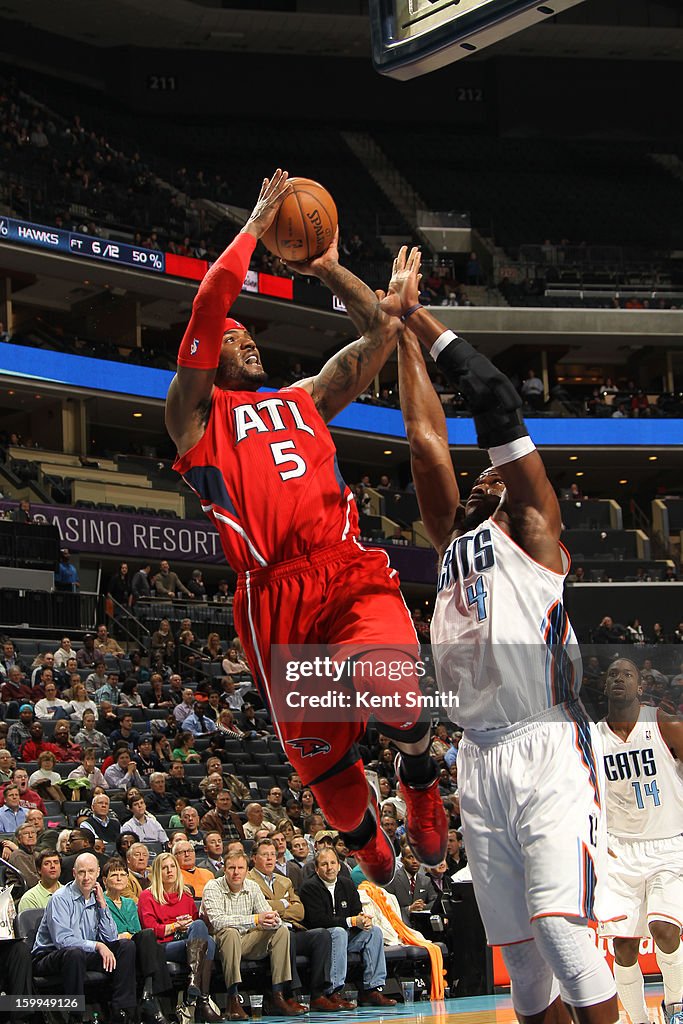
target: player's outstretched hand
<point>273,191</point>
<point>319,264</point>
<point>404,287</point>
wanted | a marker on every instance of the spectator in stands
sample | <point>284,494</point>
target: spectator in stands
<point>88,769</point>
<point>68,943</point>
<point>331,901</point>
<point>162,643</point>
<point>137,861</point>
<point>66,574</point>
<point>222,595</point>
<point>190,823</point>
<point>609,632</point>
<point>125,733</point>
<point>80,702</point>
<point>213,650</point>
<point>143,825</point>
<point>6,766</point>
<point>89,736</point>
<point>150,962</point>
<point>255,820</point>
<point>146,760</point>
<point>89,656</point>
<point>46,780</point>
<point>106,644</point>
<point>10,659</point>
<point>532,390</point>
<point>168,583</point>
<point>129,695</point>
<point>212,859</point>
<point>140,587</point>
<point>65,748</point>
<point>197,723</point>
<point>222,818</point>
<point>63,653</point>
<point>325,839</point>
<point>244,924</point>
<point>293,789</point>
<point>411,885</point>
<point>101,821</point>
<point>49,865</point>
<point>440,743</point>
<point>186,707</point>
<point>176,783</point>
<point>170,910</point>
<point>110,690</point>
<point>157,699</point>
<point>36,745</point>
<point>316,943</point>
<point>23,514</point>
<point>47,708</point>
<point>12,814</point>
<point>233,665</point>
<point>19,732</point>
<point>15,687</point>
<point>28,797</point>
<point>160,802</point>
<point>21,854</point>
<point>96,679</point>
<point>194,877</point>
<point>273,810</point>
<point>197,587</point>
<point>120,591</point>
<point>124,774</point>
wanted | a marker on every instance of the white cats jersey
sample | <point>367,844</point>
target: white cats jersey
<point>644,782</point>
<point>501,639</point>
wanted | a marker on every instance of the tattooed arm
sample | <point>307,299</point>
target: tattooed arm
<point>348,373</point>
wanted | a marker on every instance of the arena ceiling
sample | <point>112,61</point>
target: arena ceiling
<point>612,29</point>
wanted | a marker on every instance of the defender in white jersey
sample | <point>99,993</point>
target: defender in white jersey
<point>529,777</point>
<point>643,752</point>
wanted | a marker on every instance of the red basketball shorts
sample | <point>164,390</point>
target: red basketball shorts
<point>342,604</point>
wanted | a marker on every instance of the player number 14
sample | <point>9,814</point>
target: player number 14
<point>650,789</point>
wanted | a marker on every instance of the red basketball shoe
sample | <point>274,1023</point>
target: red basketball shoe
<point>426,821</point>
<point>377,858</point>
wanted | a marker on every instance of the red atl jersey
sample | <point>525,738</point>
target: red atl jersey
<point>267,475</point>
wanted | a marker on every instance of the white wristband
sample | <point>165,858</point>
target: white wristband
<point>511,451</point>
<point>441,342</point>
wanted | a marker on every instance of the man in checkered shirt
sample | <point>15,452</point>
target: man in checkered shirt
<point>243,925</point>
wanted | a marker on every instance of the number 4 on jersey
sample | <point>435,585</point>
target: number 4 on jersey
<point>476,596</point>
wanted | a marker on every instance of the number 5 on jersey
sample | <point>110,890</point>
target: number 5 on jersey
<point>283,456</point>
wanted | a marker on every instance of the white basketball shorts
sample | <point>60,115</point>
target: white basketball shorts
<point>532,809</point>
<point>646,878</point>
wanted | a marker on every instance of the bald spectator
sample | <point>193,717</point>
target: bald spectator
<point>186,707</point>
<point>255,821</point>
<point>77,933</point>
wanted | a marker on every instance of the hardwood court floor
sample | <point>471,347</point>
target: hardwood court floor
<point>476,1010</point>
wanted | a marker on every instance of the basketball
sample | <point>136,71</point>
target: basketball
<point>305,223</point>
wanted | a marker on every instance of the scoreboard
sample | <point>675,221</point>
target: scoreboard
<point>412,37</point>
<point>60,240</point>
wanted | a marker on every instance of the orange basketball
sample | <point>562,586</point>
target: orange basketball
<point>305,223</point>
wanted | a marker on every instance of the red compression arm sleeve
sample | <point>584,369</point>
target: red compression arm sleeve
<point>201,344</point>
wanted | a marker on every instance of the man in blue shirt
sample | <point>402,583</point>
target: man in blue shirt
<point>12,814</point>
<point>196,723</point>
<point>77,933</point>
<point>66,574</point>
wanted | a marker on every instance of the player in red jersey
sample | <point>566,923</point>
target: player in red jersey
<point>264,466</point>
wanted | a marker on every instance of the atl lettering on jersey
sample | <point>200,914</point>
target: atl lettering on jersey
<point>266,474</point>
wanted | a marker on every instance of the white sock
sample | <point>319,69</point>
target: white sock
<point>671,966</point>
<point>631,989</point>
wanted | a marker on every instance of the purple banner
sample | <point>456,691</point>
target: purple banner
<point>182,540</point>
<point>131,536</point>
